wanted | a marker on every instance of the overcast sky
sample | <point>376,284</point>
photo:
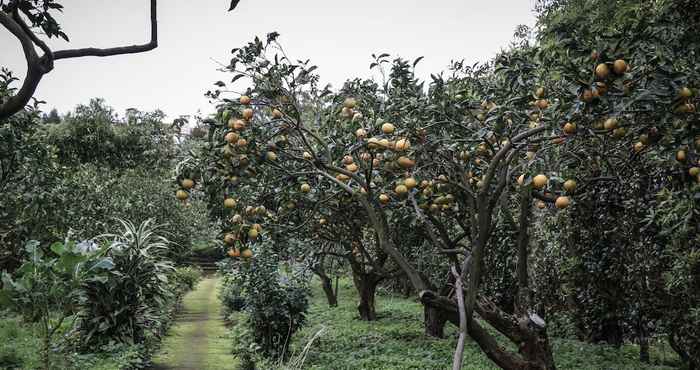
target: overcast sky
<point>338,36</point>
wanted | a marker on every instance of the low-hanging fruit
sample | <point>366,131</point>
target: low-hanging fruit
<point>361,133</point>
<point>410,183</point>
<point>570,185</point>
<point>539,181</point>
<point>276,114</point>
<point>229,239</point>
<point>610,123</point>
<point>602,71</point>
<point>234,252</point>
<point>187,183</point>
<point>562,202</point>
<point>685,93</point>
<point>271,156</point>
<point>388,128</point>
<point>620,66</point>
<point>231,137</point>
<point>405,162</point>
<point>401,189</point>
<point>247,253</point>
<point>229,203</point>
<point>253,233</point>
<point>569,128</point>
<point>402,145</point>
<point>681,155</point>
<point>247,113</point>
<point>245,100</point>
<point>384,199</point>
<point>307,156</point>
<point>305,188</point>
<point>181,195</point>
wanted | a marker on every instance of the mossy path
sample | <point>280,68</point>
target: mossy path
<point>197,340</point>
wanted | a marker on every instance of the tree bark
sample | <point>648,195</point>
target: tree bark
<point>327,285</point>
<point>434,321</point>
<point>366,287</point>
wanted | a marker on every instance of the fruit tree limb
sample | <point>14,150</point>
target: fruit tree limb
<point>37,66</point>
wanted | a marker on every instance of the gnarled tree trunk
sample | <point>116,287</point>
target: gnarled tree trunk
<point>366,285</point>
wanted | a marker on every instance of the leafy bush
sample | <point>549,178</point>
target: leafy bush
<point>276,304</point>
<point>186,278</point>
<point>231,294</point>
<point>46,288</point>
<point>133,300</point>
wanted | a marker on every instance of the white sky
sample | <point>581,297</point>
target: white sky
<point>338,36</point>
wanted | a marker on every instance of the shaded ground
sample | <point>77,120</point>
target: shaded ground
<point>197,340</point>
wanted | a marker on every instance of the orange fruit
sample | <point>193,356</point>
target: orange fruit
<point>620,66</point>
<point>181,195</point>
<point>539,181</point>
<point>187,183</point>
<point>562,202</point>
<point>245,100</point>
<point>602,71</point>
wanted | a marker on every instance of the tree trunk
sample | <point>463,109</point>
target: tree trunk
<point>366,287</point>
<point>327,284</point>
<point>434,321</point>
<point>644,349</point>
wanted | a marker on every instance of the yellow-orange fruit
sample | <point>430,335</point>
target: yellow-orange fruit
<point>384,199</point>
<point>229,203</point>
<point>570,185</point>
<point>247,113</point>
<point>349,103</point>
<point>245,100</point>
<point>187,183</point>
<point>361,133</point>
<point>181,195</point>
<point>253,233</point>
<point>569,128</point>
<point>305,188</point>
<point>276,114</point>
<point>410,183</point>
<point>620,66</point>
<point>229,239</point>
<point>539,181</point>
<point>402,145</point>
<point>602,71</point>
<point>562,202</point>
<point>680,156</point>
<point>388,128</point>
<point>231,137</point>
<point>610,123</point>
<point>401,189</point>
<point>248,253</point>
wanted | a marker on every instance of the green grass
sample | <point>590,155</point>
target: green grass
<point>198,339</point>
<point>396,341</point>
<point>20,345</point>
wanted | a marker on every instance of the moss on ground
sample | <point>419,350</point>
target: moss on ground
<point>198,339</point>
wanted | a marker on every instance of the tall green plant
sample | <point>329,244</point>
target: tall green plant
<point>46,288</point>
<point>132,300</point>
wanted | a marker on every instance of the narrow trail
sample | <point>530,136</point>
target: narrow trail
<point>197,339</point>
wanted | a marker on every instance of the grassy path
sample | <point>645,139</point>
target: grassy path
<point>197,339</point>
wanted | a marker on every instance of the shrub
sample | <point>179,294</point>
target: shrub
<point>134,299</point>
<point>276,304</point>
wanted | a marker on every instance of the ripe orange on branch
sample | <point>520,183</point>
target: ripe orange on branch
<point>539,181</point>
<point>187,183</point>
